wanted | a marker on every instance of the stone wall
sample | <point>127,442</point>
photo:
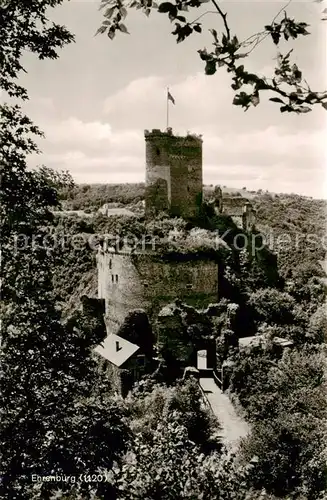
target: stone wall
<point>182,331</point>
<point>249,217</point>
<point>237,207</point>
<point>237,219</point>
<point>143,281</point>
<point>173,173</point>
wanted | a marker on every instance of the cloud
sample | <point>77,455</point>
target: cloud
<point>268,146</point>
<point>142,103</point>
<point>74,131</point>
<point>239,148</point>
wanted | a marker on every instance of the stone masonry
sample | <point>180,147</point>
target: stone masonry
<point>129,281</point>
<point>173,173</point>
<point>238,208</point>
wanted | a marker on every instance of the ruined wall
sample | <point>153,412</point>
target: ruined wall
<point>143,281</point>
<point>173,173</point>
<point>172,339</point>
<point>238,220</point>
<point>249,217</point>
<point>218,199</point>
<point>240,210</point>
<point>180,336</point>
<point>120,286</point>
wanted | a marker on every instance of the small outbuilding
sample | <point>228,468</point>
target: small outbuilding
<point>123,361</point>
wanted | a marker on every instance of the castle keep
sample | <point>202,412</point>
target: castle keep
<point>173,173</point>
<point>136,284</point>
<point>130,280</point>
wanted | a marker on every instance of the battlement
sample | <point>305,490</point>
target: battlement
<point>188,140</point>
<point>156,132</point>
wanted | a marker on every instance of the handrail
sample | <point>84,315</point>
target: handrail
<point>205,399</point>
<point>218,381</point>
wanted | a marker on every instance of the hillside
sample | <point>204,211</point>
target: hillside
<point>294,226</point>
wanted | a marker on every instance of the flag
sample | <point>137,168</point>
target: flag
<point>170,97</point>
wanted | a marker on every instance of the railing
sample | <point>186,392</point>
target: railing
<point>205,399</point>
<point>218,380</point>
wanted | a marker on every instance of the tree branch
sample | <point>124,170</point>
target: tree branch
<point>263,34</point>
<point>202,15</point>
<point>224,18</point>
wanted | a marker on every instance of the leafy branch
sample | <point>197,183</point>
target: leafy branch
<point>291,91</point>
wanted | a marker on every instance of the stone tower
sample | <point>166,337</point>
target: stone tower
<point>173,173</point>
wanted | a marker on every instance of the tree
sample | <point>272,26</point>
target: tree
<point>307,284</point>
<point>286,401</point>
<point>317,330</point>
<point>50,413</point>
<point>150,401</point>
<point>170,466</point>
<point>41,36</point>
<point>288,85</point>
<point>272,306</point>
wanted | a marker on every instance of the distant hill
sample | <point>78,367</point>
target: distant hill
<point>93,196</point>
<point>296,227</point>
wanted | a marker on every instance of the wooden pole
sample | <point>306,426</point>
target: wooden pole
<point>167,108</point>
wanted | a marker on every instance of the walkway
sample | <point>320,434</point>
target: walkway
<point>233,427</point>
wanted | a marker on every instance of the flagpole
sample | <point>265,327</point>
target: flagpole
<point>167,108</point>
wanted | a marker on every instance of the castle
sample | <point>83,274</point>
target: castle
<point>237,207</point>
<point>129,280</point>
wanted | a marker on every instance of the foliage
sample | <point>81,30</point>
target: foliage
<point>73,245</point>
<point>151,402</point>
<point>41,36</point>
<point>286,400</point>
<point>160,469</point>
<point>169,456</point>
<point>94,196</point>
<point>172,467</point>
<point>272,306</point>
<point>294,227</point>
<point>307,284</point>
<point>48,375</point>
<point>317,330</point>
<point>57,414</point>
<point>291,457</point>
<point>292,91</point>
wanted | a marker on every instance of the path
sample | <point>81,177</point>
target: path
<point>233,427</point>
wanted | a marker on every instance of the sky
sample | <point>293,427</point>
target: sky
<point>95,101</point>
